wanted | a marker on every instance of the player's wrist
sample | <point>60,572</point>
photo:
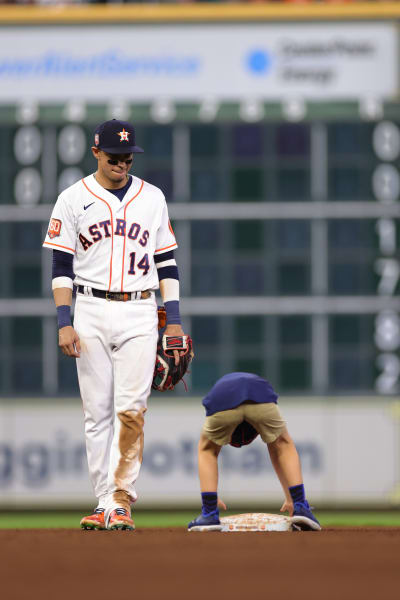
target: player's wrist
<point>63,316</point>
<point>174,330</point>
<point>172,312</point>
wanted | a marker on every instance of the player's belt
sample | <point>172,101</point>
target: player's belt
<point>116,296</point>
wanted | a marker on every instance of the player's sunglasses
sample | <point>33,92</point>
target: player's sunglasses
<point>115,161</point>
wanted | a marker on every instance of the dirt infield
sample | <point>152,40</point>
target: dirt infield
<point>166,564</point>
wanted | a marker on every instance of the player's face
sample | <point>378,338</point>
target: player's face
<point>113,167</point>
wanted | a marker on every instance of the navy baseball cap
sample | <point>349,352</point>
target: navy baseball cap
<point>116,137</point>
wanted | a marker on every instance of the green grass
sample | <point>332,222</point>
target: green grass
<point>360,519</point>
<point>42,520</point>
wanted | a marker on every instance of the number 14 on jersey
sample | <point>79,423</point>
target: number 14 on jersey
<point>142,264</point>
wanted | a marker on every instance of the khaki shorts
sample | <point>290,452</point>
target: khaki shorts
<point>266,419</point>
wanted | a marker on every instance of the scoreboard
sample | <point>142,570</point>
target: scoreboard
<point>289,242</point>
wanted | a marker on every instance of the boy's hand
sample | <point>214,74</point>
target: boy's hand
<point>221,504</point>
<point>287,506</point>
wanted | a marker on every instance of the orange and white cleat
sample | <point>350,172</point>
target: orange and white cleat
<point>94,521</point>
<point>120,518</point>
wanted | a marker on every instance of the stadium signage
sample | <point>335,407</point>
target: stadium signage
<point>43,461</point>
<point>223,62</point>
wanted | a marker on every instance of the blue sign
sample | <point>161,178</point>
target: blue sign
<point>259,62</point>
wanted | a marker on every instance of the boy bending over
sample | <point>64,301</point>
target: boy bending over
<point>238,408</point>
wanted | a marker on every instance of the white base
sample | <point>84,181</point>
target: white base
<point>256,522</point>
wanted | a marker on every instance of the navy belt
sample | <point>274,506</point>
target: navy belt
<point>116,296</point>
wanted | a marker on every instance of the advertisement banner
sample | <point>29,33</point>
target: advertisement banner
<point>349,453</point>
<point>146,63</point>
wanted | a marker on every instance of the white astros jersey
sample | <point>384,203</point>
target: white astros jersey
<point>113,241</point>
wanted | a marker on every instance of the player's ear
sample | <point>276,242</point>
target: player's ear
<point>95,152</point>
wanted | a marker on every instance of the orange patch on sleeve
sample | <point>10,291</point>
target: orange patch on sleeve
<point>54,228</point>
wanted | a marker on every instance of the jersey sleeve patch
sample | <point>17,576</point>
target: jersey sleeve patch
<point>54,228</point>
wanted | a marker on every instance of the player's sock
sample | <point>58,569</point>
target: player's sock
<point>297,493</point>
<point>209,503</point>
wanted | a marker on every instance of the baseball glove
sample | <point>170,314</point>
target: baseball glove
<point>166,373</point>
<point>162,317</point>
<point>243,435</point>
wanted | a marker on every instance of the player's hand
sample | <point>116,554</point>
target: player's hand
<point>287,506</point>
<point>68,340</point>
<point>221,504</point>
<point>174,330</point>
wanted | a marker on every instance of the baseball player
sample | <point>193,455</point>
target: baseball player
<point>238,408</point>
<point>110,232</point>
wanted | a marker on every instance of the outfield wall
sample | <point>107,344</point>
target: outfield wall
<point>349,451</point>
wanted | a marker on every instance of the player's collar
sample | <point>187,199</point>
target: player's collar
<point>98,190</point>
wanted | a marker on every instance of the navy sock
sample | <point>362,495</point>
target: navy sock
<point>209,502</point>
<point>297,493</point>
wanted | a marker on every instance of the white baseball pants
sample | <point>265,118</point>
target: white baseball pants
<point>115,372</point>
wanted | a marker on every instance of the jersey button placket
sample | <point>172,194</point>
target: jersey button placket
<point>117,258</point>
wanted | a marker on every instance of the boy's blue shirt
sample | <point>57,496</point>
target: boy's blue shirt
<point>235,388</point>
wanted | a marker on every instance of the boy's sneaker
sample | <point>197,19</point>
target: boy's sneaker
<point>210,522</point>
<point>303,518</point>
<point>94,521</point>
